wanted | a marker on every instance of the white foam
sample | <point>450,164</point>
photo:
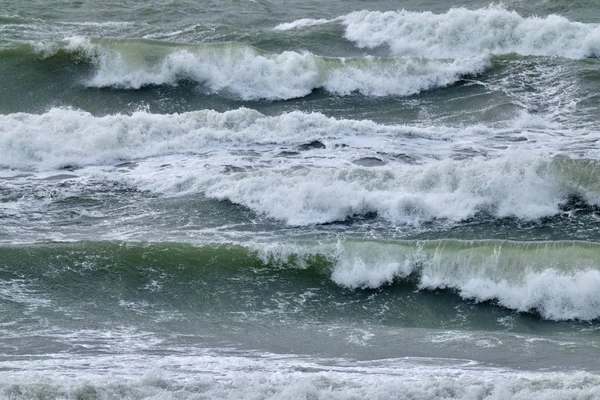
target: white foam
<point>300,23</point>
<point>461,32</point>
<point>236,156</point>
<point>523,187</point>
<point>265,376</point>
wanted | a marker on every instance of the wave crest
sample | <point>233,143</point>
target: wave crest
<point>466,33</point>
<point>250,74</point>
<point>558,280</point>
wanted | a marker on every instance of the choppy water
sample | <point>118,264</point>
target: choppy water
<point>256,199</point>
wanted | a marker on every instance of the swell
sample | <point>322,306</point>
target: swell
<point>556,280</point>
<point>245,72</point>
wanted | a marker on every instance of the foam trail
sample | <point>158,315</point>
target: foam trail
<point>466,33</point>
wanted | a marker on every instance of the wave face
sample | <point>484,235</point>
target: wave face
<point>558,280</point>
<point>249,74</point>
<point>467,33</point>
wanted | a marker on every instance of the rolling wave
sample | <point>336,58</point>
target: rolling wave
<point>558,280</point>
<point>248,73</point>
<point>62,136</point>
<point>65,136</point>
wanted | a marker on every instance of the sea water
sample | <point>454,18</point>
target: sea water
<point>320,200</point>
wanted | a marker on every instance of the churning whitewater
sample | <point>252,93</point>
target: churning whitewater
<point>299,201</point>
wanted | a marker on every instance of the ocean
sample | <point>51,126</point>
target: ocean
<point>260,199</point>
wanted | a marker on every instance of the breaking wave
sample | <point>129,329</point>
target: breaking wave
<point>559,280</point>
<point>527,188</point>
<point>462,32</point>
<point>331,186</point>
<point>251,74</point>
